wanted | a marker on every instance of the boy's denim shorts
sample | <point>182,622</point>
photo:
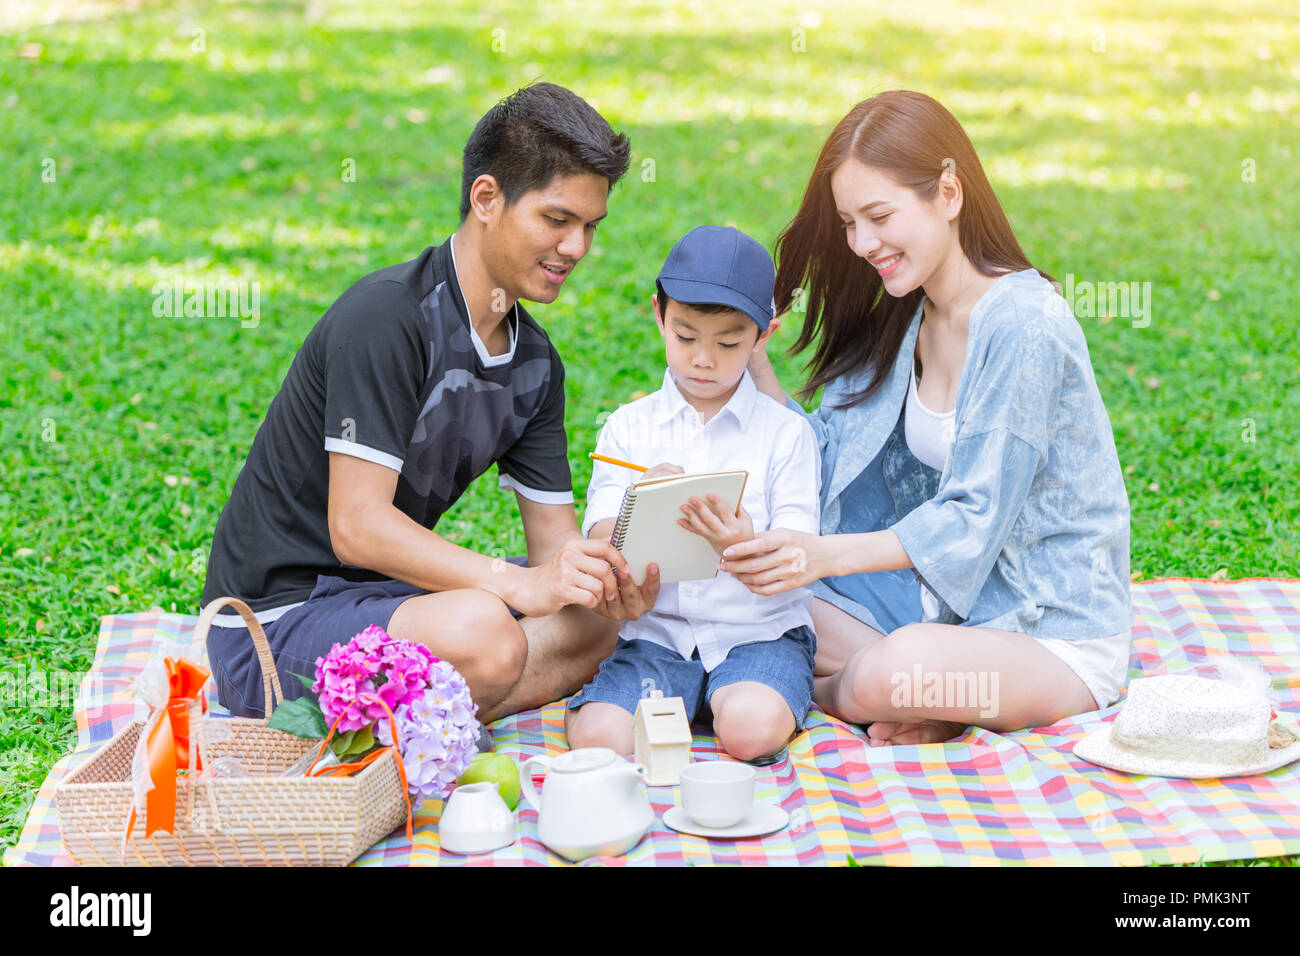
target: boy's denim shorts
<point>636,668</point>
<point>335,612</point>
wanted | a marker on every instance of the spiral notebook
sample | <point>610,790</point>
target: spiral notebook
<point>647,531</point>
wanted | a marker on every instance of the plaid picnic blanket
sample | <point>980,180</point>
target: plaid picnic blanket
<point>984,799</point>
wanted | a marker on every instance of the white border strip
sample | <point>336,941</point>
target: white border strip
<point>263,617</point>
<point>532,494</point>
<point>364,452</point>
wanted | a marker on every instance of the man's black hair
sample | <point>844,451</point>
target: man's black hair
<point>536,134</point>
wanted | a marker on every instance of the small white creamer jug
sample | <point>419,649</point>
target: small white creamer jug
<point>476,820</point>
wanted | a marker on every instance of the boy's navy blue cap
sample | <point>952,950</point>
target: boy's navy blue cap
<point>719,265</point>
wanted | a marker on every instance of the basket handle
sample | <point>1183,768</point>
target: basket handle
<point>270,676</point>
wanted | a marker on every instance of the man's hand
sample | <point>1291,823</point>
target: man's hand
<point>626,601</point>
<point>590,572</point>
<point>630,601</point>
<point>578,573</point>
<point>717,522</point>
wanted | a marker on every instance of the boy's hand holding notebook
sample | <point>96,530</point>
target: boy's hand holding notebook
<point>647,531</point>
<point>718,522</point>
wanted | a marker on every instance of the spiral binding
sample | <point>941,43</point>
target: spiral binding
<point>624,517</point>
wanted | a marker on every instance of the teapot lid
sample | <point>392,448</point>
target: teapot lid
<point>583,760</point>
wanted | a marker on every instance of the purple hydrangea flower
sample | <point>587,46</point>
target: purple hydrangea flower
<point>437,733</point>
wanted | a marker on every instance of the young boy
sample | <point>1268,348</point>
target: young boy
<point>748,657</point>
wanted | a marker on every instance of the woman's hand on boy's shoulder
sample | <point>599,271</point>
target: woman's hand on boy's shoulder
<point>717,522</point>
<point>761,371</point>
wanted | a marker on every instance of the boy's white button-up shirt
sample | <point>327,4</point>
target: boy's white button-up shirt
<point>776,446</point>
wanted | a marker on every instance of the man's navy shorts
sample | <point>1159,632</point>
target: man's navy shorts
<point>334,613</point>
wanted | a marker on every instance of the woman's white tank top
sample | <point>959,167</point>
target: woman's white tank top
<point>929,438</point>
<point>929,434</point>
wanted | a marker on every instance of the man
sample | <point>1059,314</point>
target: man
<point>412,384</point>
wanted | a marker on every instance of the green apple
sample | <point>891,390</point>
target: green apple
<point>495,768</point>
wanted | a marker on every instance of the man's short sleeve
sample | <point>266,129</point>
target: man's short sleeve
<point>374,360</point>
<point>537,464</point>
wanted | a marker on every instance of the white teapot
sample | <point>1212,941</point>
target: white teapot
<point>593,802</point>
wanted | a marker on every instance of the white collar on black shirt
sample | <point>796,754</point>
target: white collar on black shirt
<point>489,361</point>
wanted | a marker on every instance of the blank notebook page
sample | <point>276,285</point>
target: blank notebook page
<point>647,531</point>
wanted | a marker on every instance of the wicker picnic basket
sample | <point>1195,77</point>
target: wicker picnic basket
<point>260,819</point>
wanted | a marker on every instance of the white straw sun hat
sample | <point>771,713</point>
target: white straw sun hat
<point>1193,727</point>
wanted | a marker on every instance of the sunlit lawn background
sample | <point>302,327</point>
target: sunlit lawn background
<point>210,140</point>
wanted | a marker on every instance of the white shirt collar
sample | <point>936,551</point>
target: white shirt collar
<point>512,321</point>
<point>740,405</point>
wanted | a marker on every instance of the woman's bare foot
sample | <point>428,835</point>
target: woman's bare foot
<point>883,732</point>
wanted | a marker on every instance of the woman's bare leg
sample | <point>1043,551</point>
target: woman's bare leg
<point>840,635</point>
<point>927,682</point>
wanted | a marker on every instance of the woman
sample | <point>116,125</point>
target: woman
<point>973,566</point>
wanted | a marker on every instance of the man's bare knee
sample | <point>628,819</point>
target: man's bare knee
<point>473,631</point>
<point>497,648</point>
<point>504,653</point>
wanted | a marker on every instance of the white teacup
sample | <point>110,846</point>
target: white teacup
<point>717,793</point>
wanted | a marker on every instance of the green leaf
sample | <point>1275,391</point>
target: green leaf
<point>301,717</point>
<point>341,741</point>
<point>307,683</point>
<point>363,740</point>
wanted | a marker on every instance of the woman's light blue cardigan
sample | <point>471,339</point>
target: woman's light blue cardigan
<point>1027,527</point>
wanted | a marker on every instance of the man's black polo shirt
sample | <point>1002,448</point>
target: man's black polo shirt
<point>392,373</point>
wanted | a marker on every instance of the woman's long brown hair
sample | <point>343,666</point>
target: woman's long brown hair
<point>854,322</point>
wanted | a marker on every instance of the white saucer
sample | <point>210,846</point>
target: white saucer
<point>762,818</point>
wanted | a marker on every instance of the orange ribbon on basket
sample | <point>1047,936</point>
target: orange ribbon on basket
<point>164,745</point>
<point>355,767</point>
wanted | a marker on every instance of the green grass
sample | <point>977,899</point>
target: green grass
<point>1115,138</point>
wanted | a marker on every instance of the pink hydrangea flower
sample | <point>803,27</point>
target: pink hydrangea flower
<point>352,678</point>
<point>436,718</point>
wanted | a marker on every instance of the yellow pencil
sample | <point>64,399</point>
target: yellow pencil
<point>615,461</point>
